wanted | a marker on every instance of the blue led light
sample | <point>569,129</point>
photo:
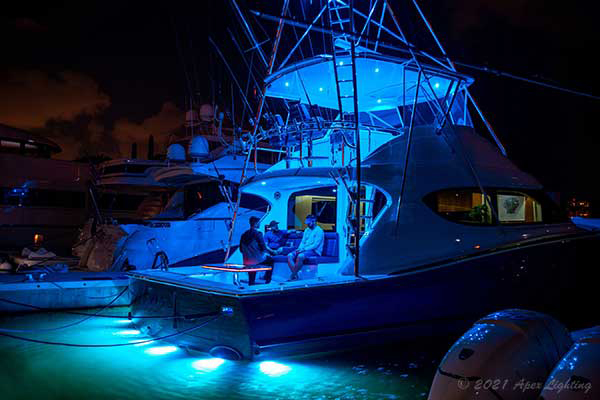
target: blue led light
<point>272,368</point>
<point>161,350</point>
<point>207,364</point>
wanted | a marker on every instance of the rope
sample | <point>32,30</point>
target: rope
<point>88,314</point>
<point>68,325</point>
<point>110,345</point>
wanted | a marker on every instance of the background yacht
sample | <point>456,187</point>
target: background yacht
<point>39,195</point>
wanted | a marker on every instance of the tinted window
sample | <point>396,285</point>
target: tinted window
<point>42,198</point>
<point>120,201</point>
<point>253,202</point>
<point>465,206</point>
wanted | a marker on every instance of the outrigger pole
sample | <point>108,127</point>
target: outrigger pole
<point>357,140</point>
<point>257,119</point>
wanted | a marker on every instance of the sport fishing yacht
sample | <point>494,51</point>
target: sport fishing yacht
<point>427,223</point>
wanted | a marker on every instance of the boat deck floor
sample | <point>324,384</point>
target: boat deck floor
<point>201,279</point>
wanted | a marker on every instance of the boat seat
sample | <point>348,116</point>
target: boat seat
<point>330,249</point>
<point>237,269</point>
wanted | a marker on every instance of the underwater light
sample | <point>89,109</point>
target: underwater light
<point>272,368</point>
<point>208,364</point>
<point>320,89</point>
<point>376,69</point>
<point>378,101</point>
<point>341,63</point>
<point>161,350</point>
<point>263,183</point>
<point>437,85</point>
<point>123,321</point>
<point>128,332</point>
<point>287,84</point>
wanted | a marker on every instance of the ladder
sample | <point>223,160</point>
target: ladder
<point>341,20</point>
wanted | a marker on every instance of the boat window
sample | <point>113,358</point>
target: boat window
<point>518,208</point>
<point>465,206</point>
<point>321,202</point>
<point>253,202</point>
<point>119,201</point>
<point>379,201</point>
<point>42,198</point>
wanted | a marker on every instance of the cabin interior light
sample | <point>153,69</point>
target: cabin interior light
<point>272,368</point>
<point>208,364</point>
<point>38,239</point>
<point>161,350</point>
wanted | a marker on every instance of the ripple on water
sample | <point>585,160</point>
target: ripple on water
<point>36,370</point>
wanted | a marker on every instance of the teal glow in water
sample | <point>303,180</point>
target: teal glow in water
<point>31,370</point>
<point>161,350</point>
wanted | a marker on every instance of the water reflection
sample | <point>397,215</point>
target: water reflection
<point>161,370</point>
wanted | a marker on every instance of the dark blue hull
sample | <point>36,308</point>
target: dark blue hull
<point>550,276</point>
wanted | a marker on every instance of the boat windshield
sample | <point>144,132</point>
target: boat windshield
<point>192,199</point>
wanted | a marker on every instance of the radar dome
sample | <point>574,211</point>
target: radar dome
<point>176,152</point>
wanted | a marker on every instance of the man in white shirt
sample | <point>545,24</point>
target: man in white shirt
<point>310,246</point>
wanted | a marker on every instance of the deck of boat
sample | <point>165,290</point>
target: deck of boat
<point>205,280</point>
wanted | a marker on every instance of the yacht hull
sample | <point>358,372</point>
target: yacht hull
<point>323,316</point>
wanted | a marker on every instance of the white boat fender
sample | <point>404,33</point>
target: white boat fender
<point>577,374</point>
<point>505,356</point>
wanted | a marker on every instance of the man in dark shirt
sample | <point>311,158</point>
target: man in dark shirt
<point>254,251</point>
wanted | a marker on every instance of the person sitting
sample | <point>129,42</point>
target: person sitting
<point>274,238</point>
<point>311,245</point>
<point>255,252</point>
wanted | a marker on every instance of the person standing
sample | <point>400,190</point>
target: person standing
<point>255,252</point>
<point>310,246</point>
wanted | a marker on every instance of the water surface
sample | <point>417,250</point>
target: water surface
<point>160,370</point>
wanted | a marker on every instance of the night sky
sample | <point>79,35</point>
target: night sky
<point>95,77</point>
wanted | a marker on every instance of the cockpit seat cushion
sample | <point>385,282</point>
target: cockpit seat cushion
<point>330,248</point>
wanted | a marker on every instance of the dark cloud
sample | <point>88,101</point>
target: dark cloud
<point>70,108</point>
<point>30,98</point>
